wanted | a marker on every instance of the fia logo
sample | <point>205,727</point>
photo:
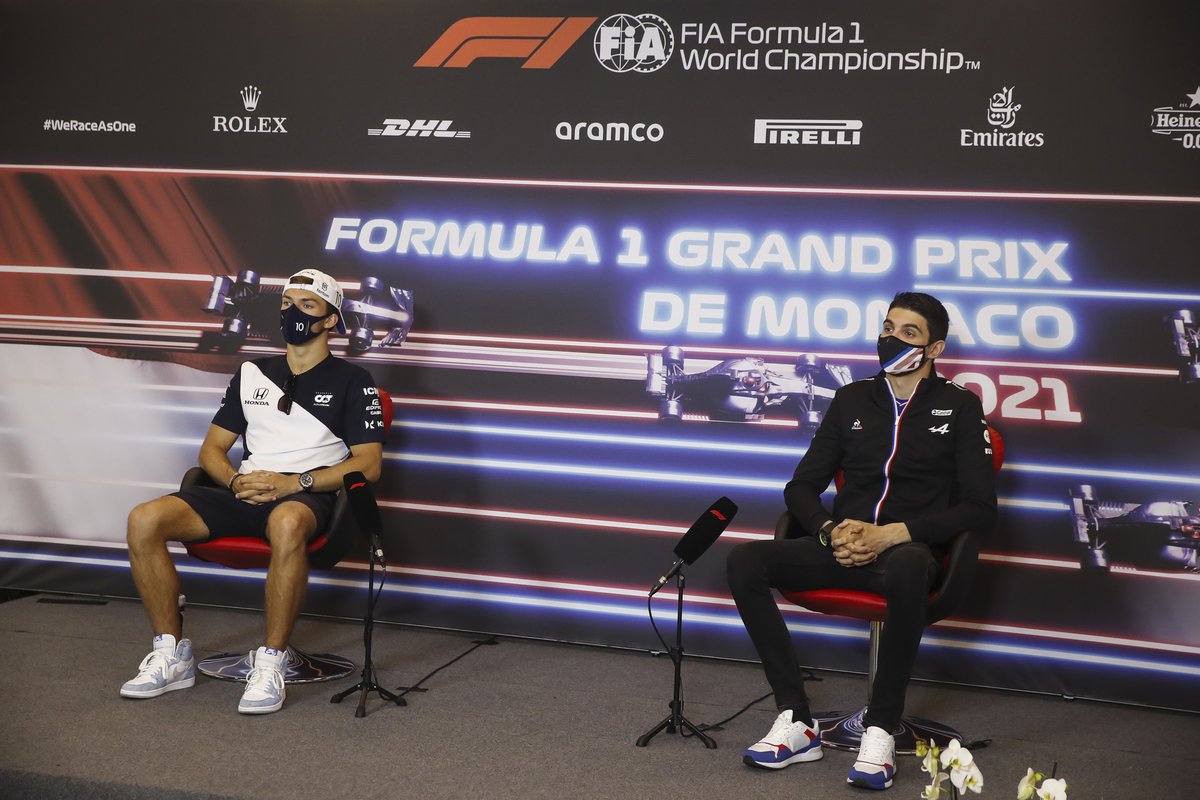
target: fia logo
<point>628,43</point>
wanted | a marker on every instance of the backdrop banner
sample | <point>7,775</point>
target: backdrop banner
<point>611,266</point>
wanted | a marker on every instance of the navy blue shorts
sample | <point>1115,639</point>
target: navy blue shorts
<point>226,516</point>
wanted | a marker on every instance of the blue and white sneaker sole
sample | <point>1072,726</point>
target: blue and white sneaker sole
<point>142,694</point>
<point>869,780</point>
<point>271,709</point>
<point>751,758</point>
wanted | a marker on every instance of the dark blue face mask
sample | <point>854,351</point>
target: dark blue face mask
<point>298,327</point>
<point>897,357</point>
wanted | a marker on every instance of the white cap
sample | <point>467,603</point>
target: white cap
<point>323,286</point>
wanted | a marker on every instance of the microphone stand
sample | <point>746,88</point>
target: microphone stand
<point>368,683</point>
<point>676,721</point>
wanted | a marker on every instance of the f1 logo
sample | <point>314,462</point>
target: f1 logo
<point>541,41</point>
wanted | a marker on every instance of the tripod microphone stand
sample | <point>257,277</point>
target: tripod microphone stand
<point>368,683</point>
<point>676,721</point>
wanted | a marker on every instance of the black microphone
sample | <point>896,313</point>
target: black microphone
<point>700,536</point>
<point>364,510</point>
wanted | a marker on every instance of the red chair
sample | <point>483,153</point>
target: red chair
<point>842,730</point>
<point>324,552</point>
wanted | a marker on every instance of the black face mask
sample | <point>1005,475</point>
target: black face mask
<point>897,357</point>
<point>298,327</point>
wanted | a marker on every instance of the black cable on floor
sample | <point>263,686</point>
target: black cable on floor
<point>716,726</point>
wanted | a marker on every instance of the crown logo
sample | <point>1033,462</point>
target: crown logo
<point>250,95</point>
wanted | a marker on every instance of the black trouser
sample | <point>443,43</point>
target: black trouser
<point>902,574</point>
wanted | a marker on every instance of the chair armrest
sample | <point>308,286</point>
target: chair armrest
<point>198,478</point>
<point>787,527</point>
<point>958,575</point>
<point>340,537</point>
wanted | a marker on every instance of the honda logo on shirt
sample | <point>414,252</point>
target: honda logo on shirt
<point>260,394</point>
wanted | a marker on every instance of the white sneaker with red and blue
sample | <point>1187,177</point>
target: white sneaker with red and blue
<point>876,763</point>
<point>786,743</point>
<point>264,691</point>
<point>170,666</point>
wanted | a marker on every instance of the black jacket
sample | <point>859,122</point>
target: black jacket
<point>935,474</point>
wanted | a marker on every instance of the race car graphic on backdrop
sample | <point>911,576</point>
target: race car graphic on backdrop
<point>1160,534</point>
<point>1187,344</point>
<point>741,389</point>
<point>251,311</point>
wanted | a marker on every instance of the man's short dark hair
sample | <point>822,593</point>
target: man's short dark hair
<point>929,307</point>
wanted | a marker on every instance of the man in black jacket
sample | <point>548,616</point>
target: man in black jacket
<point>917,461</point>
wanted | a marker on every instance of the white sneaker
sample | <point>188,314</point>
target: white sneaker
<point>168,667</point>
<point>786,743</point>
<point>264,691</point>
<point>876,763</point>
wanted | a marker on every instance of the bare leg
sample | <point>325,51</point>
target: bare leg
<point>151,525</point>
<point>288,530</point>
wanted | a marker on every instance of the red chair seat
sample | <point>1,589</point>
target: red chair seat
<point>243,553</point>
<point>843,602</point>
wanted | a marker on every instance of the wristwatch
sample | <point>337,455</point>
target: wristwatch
<point>825,535</point>
<point>306,481</point>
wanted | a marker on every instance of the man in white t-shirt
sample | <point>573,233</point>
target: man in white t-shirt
<point>306,420</point>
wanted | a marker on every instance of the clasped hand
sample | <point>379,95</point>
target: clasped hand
<point>857,543</point>
<point>263,486</point>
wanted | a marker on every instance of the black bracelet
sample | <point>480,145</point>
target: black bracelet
<point>236,475</point>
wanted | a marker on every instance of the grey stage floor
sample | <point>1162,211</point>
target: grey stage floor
<point>521,719</point>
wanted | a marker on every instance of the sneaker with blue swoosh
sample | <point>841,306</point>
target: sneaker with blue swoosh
<point>264,691</point>
<point>786,743</point>
<point>168,667</point>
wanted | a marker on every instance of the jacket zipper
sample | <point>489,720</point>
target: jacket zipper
<point>887,465</point>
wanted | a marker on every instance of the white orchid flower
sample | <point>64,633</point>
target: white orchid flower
<point>1052,789</point>
<point>956,756</point>
<point>970,778</point>
<point>1028,784</point>
<point>934,790</point>
<point>930,762</point>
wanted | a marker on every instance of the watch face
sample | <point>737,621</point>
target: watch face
<point>306,481</point>
<point>823,538</point>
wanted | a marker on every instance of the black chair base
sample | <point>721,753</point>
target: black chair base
<point>302,667</point>
<point>843,731</point>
